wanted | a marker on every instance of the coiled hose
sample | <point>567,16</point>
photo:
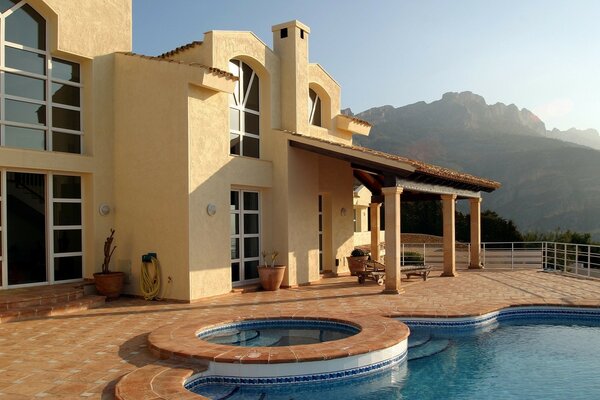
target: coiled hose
<point>150,279</point>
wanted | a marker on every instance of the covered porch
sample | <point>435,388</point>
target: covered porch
<point>393,179</point>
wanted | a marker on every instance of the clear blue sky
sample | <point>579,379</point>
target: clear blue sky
<point>541,55</point>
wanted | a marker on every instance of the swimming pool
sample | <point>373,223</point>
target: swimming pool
<point>526,353</point>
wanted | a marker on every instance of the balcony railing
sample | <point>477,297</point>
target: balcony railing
<point>565,257</point>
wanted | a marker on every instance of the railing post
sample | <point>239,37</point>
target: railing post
<point>555,260</point>
<point>565,260</point>
<point>512,255</point>
<point>424,250</point>
<point>544,260</point>
<point>576,259</point>
<point>589,259</point>
<point>484,251</point>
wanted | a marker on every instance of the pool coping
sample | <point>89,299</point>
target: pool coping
<point>151,381</point>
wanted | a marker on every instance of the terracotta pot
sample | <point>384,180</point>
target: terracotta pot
<point>356,263</point>
<point>109,285</point>
<point>271,277</point>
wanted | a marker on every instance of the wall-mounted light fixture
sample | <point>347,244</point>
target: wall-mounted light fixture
<point>104,209</point>
<point>343,212</point>
<point>211,209</point>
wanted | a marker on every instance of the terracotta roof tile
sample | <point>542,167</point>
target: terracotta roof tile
<point>357,120</point>
<point>180,49</point>
<point>212,70</point>
<point>421,167</point>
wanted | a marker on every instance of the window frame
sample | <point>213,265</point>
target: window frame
<point>241,108</point>
<point>312,105</point>
<point>48,129</point>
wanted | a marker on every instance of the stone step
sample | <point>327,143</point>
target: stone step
<point>51,309</point>
<point>432,347</point>
<point>14,299</point>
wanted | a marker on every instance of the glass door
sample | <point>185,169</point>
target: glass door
<point>245,236</point>
<point>25,228</point>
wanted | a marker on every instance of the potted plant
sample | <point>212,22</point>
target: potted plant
<point>109,283</point>
<point>271,275</point>
<point>356,261</point>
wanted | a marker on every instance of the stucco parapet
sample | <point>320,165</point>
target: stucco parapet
<point>293,23</point>
<point>218,33</point>
<point>320,68</point>
<point>352,124</point>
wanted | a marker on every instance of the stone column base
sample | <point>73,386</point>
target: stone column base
<point>449,274</point>
<point>476,266</point>
<point>392,291</point>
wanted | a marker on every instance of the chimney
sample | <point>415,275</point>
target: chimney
<point>290,43</point>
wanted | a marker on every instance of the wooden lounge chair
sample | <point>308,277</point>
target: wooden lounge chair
<point>376,271</point>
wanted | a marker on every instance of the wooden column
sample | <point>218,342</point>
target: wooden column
<point>392,240</point>
<point>449,212</point>
<point>375,210</point>
<point>475,205</point>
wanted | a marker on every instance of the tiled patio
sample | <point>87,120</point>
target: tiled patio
<point>83,355</point>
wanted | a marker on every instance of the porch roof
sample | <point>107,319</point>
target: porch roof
<point>376,169</point>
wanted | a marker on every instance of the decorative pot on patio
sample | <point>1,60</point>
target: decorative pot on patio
<point>356,261</point>
<point>271,276</point>
<point>109,284</point>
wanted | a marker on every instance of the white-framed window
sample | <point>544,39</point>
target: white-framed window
<point>40,95</point>
<point>41,220</point>
<point>320,233</point>
<point>314,108</point>
<point>244,111</point>
<point>245,235</point>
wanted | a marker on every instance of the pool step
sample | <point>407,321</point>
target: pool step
<point>417,339</point>
<point>428,349</point>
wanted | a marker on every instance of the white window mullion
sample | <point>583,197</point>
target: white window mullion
<point>48,100</point>
<point>50,228</point>
<point>3,241</point>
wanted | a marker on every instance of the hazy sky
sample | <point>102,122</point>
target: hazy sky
<point>541,55</point>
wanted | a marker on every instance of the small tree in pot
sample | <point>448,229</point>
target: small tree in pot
<point>109,283</point>
<point>271,275</point>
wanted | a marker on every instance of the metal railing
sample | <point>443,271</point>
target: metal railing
<point>580,259</point>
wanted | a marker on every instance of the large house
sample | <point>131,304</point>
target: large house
<point>206,155</point>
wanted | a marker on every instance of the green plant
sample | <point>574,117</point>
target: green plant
<point>108,252</point>
<point>413,258</point>
<point>358,253</point>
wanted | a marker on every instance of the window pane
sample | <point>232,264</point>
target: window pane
<point>66,119</point>
<point>246,78</point>
<point>24,138</point>
<point>251,247</point>
<point>29,113</point>
<point>66,143</point>
<point>251,147</point>
<point>67,268</point>
<point>251,269</point>
<point>65,70</point>
<point>23,86</point>
<point>252,101</point>
<point>250,223</point>
<point>317,114</point>
<point>25,60</point>
<point>6,4</point>
<point>235,224</point>
<point>234,119</point>
<point>251,201</point>
<point>235,272</point>
<point>65,94</point>
<point>67,214</point>
<point>235,200</point>
<point>25,26</point>
<point>234,143</point>
<point>67,241</point>
<point>66,187</point>
<point>235,248</point>
<point>251,123</point>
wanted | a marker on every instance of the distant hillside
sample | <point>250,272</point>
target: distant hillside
<point>547,183</point>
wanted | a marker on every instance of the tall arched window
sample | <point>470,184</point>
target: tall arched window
<point>314,108</point>
<point>40,95</point>
<point>244,111</point>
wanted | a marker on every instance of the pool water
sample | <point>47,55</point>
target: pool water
<point>284,333</point>
<point>511,361</point>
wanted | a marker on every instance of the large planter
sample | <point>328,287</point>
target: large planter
<point>110,284</point>
<point>356,264</point>
<point>271,277</point>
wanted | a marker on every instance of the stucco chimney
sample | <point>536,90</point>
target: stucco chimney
<point>290,43</point>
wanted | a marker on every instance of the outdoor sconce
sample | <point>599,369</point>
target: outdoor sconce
<point>211,209</point>
<point>343,212</point>
<point>104,209</point>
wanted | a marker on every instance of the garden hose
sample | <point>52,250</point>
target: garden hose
<point>150,280</point>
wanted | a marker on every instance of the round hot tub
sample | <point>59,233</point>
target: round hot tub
<point>283,349</point>
<point>278,333</point>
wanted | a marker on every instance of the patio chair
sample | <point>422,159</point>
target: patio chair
<point>376,271</point>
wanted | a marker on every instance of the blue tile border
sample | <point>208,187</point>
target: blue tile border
<point>551,313</point>
<point>308,378</point>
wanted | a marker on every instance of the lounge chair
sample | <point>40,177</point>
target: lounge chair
<point>376,271</point>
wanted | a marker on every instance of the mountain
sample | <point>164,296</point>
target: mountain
<point>587,137</point>
<point>547,183</point>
